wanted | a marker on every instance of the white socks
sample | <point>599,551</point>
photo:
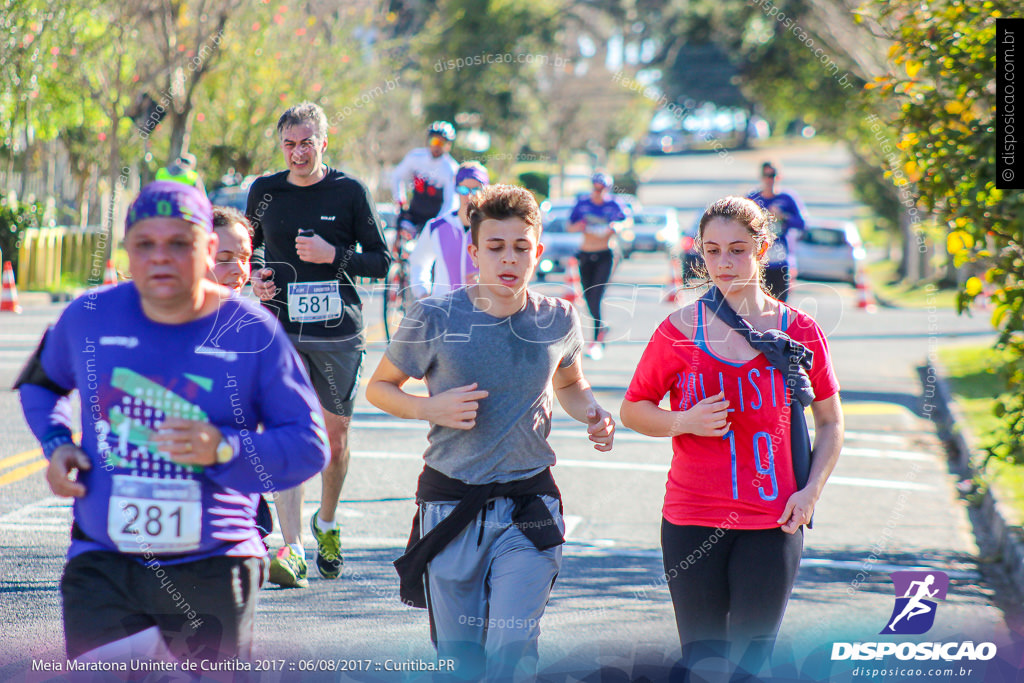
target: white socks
<point>326,526</point>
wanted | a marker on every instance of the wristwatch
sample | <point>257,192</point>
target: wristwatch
<point>225,452</point>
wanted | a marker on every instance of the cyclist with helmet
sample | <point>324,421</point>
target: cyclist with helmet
<point>182,170</point>
<point>597,216</point>
<point>431,171</point>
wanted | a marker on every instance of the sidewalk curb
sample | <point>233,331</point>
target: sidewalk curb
<point>999,539</point>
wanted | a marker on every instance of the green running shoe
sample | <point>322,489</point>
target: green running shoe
<point>288,569</point>
<point>328,549</point>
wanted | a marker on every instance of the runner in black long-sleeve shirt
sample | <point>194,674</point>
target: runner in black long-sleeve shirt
<point>309,221</point>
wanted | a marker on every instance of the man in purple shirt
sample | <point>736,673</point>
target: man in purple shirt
<point>193,403</point>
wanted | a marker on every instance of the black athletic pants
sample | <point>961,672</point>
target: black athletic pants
<point>595,271</point>
<point>730,585</point>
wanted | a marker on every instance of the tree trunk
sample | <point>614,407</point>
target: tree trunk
<point>910,263</point>
<point>113,176</point>
<point>180,133</point>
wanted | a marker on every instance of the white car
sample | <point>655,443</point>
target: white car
<point>829,251</point>
<point>655,228</point>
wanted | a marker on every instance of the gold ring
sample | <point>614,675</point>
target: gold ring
<point>188,446</point>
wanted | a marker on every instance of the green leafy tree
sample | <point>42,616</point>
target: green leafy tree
<point>485,57</point>
<point>187,39</point>
<point>271,57</point>
<point>944,52</point>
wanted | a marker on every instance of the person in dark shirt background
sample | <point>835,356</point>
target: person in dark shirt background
<point>789,217</point>
<point>309,220</point>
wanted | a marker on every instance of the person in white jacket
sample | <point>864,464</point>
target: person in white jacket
<point>440,262</point>
<point>431,172</point>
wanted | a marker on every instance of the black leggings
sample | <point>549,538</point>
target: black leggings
<point>595,271</point>
<point>730,584</point>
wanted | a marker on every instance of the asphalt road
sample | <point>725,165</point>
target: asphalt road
<point>890,505</point>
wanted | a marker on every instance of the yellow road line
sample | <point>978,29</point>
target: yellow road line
<point>22,472</point>
<point>874,408</point>
<point>29,469</point>
<point>19,458</point>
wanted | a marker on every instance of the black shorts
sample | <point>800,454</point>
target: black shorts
<point>334,371</point>
<point>204,609</point>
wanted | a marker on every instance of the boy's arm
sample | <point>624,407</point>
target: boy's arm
<point>576,398</point>
<point>455,408</point>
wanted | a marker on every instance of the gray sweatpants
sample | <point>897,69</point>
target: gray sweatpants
<point>487,591</point>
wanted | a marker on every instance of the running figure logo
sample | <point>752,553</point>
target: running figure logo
<point>916,593</point>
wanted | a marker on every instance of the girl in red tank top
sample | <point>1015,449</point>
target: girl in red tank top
<point>733,515</point>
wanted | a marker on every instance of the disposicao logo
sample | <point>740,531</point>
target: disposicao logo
<point>914,614</point>
<point>916,593</point>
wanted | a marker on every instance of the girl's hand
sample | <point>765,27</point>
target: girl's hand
<point>798,511</point>
<point>710,417</point>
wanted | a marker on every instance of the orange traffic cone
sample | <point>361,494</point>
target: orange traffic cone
<point>865,299</point>
<point>9,294</point>
<point>110,274</point>
<point>674,288</point>
<point>572,281</point>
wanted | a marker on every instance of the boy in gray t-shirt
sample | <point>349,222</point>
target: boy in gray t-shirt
<point>493,355</point>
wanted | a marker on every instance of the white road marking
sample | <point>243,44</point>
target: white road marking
<point>571,522</point>
<point>887,454</point>
<point>881,437</point>
<point>879,483</point>
<point>46,514</point>
<point>578,432</point>
<point>884,567</point>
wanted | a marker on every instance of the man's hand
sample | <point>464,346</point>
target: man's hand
<point>314,249</point>
<point>262,284</point>
<point>65,461</point>
<point>600,427</point>
<point>455,408</point>
<point>188,442</point>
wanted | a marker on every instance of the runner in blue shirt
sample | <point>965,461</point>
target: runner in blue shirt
<point>597,216</point>
<point>193,403</point>
<point>789,222</point>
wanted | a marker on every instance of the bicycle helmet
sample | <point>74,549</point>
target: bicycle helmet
<point>443,129</point>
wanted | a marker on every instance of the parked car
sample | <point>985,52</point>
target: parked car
<point>671,141</point>
<point>559,244</point>
<point>829,251</point>
<point>655,228</point>
<point>692,261</point>
<point>234,196</point>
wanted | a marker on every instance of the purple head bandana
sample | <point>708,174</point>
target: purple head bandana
<point>474,171</point>
<point>169,199</point>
